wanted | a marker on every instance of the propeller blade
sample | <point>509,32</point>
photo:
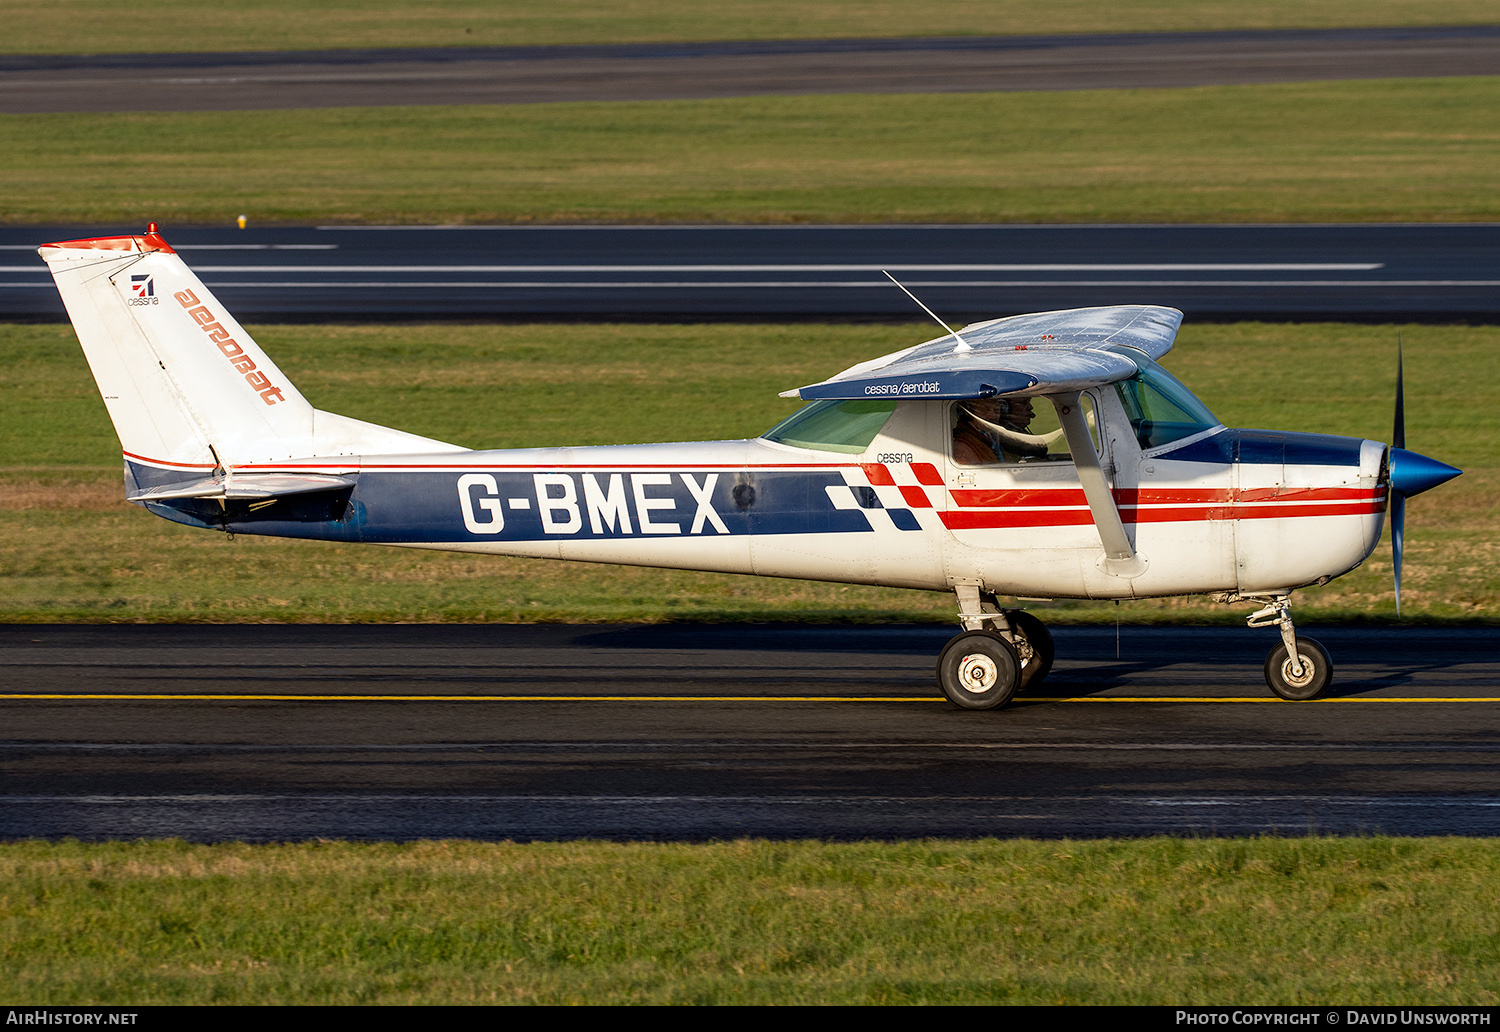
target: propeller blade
<point>1397,498</point>
<point>1398,435</point>
<point>1407,474</point>
<point>1398,525</point>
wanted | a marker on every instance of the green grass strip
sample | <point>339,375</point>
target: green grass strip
<point>1383,150</point>
<point>1149,921</point>
<point>86,26</point>
<point>71,549</point>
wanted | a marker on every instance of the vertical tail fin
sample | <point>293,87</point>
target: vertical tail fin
<point>183,382</point>
<point>185,385</point>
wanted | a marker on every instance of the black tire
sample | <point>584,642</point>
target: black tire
<point>978,670</point>
<point>1034,670</point>
<point>1318,671</point>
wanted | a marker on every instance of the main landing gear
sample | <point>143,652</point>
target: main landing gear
<point>1297,668</point>
<point>983,667</point>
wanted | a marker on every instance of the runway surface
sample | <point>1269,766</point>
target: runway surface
<point>523,75</point>
<point>692,732</point>
<point>757,273</point>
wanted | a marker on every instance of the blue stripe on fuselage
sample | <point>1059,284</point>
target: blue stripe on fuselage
<point>508,505</point>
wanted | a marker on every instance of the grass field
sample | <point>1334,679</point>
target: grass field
<point>1382,150</point>
<point>70,549</point>
<point>1154,921</point>
<point>88,26</point>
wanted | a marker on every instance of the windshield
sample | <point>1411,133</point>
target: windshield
<point>1160,408</point>
<point>836,426</point>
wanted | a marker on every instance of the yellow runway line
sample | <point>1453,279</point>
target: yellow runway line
<point>133,697</point>
<point>473,698</point>
<point>1252,698</point>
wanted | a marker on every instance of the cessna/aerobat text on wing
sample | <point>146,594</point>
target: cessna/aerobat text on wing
<point>1040,456</point>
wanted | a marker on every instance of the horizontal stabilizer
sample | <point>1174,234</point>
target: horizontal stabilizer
<point>248,487</point>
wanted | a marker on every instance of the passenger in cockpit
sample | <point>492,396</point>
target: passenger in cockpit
<point>991,430</point>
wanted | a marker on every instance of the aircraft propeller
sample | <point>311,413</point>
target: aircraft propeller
<point>1408,474</point>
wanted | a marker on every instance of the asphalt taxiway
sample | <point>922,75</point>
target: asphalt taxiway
<point>528,75</point>
<point>692,732</point>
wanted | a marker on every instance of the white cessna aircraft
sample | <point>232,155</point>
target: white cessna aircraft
<point>929,468</point>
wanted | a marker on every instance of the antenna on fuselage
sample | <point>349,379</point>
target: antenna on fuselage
<point>963,345</point>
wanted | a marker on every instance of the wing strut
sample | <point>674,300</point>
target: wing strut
<point>1119,559</point>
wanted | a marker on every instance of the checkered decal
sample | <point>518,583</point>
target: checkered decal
<point>898,490</point>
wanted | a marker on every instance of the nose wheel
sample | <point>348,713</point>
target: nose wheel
<point>1297,668</point>
<point>1306,679</point>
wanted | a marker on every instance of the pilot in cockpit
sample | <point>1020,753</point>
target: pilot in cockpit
<point>991,430</point>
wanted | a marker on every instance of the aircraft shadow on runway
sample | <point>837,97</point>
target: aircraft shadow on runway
<point>1400,657</point>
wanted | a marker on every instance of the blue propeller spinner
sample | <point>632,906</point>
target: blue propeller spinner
<point>1408,474</point>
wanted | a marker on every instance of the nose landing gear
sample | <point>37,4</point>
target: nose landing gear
<point>1298,668</point>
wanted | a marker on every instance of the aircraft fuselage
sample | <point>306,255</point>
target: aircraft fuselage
<point>1245,511</point>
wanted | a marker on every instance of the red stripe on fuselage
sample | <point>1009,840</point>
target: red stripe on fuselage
<point>989,519</point>
<point>174,465</point>
<point>457,467</point>
<point>1031,496</point>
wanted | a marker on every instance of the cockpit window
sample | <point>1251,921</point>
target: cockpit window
<point>991,431</point>
<point>1160,408</point>
<point>836,426</point>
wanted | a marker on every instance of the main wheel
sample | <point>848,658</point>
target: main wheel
<point>1036,667</point>
<point>1317,671</point>
<point>978,670</point>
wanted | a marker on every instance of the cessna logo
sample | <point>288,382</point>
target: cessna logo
<point>142,290</point>
<point>269,392</point>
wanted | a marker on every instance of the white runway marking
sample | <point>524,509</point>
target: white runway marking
<point>1100,267</point>
<point>757,747</point>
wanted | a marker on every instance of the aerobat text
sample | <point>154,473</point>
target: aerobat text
<point>269,392</point>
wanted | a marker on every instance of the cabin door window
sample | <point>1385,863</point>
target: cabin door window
<point>1011,478</point>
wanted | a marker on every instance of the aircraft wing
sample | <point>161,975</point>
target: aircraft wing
<point>1045,353</point>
